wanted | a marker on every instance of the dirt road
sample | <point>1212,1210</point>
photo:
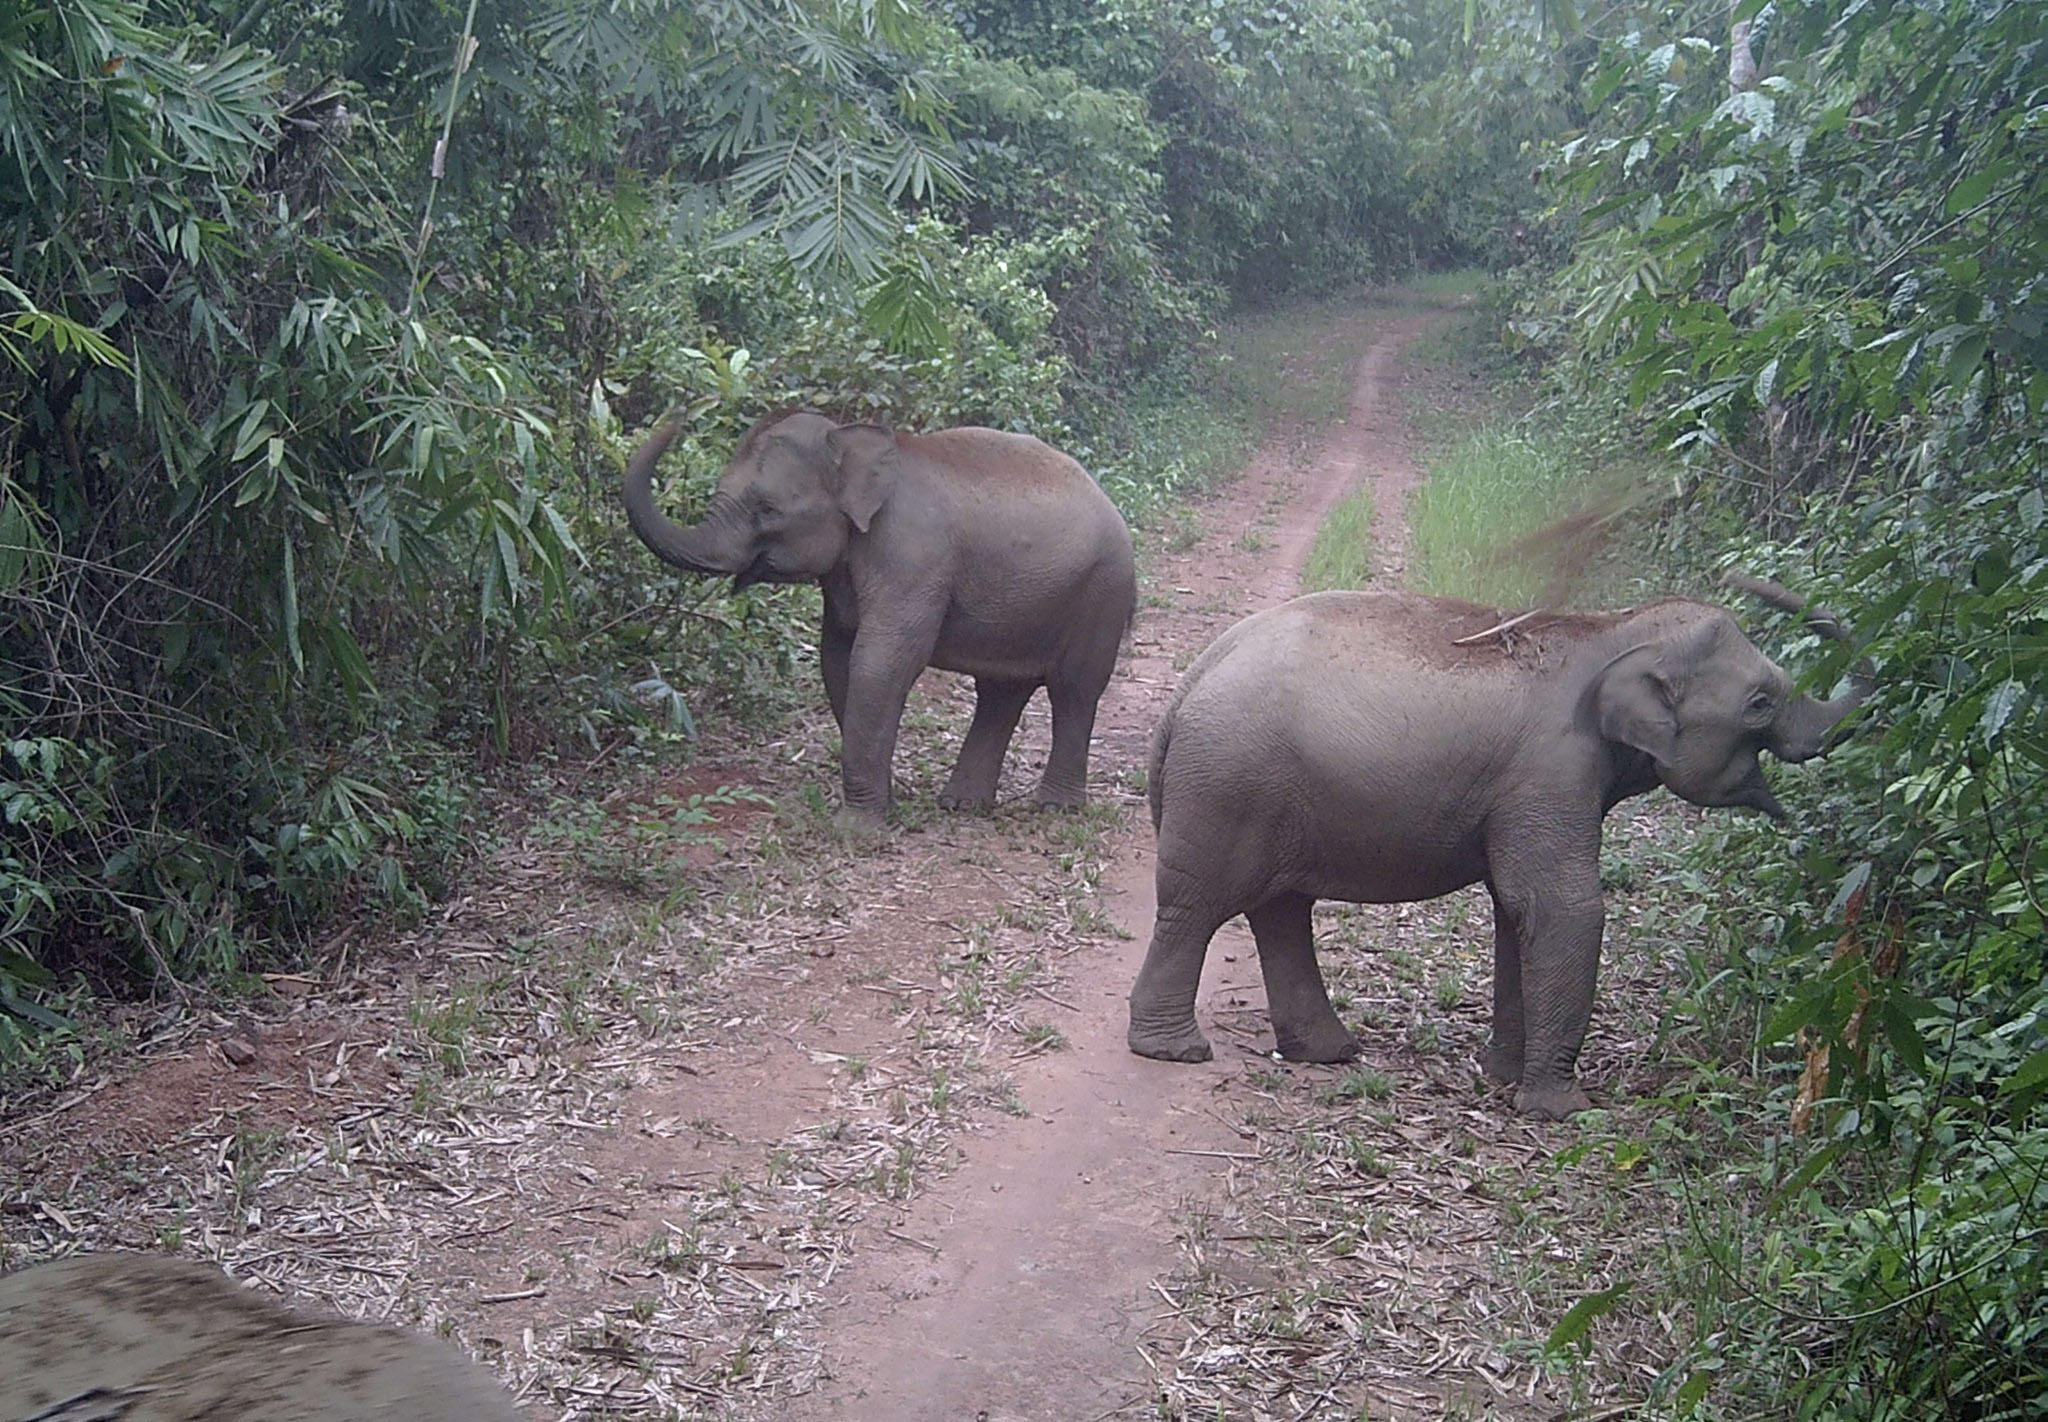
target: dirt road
<point>1044,1245</point>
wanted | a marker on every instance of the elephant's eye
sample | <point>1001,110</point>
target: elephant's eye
<point>1762,703</point>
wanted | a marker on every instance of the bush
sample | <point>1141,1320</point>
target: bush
<point>1825,291</point>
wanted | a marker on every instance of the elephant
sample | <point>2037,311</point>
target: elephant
<point>155,1339</point>
<point>971,550</point>
<point>1388,747</point>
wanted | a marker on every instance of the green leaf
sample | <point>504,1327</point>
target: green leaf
<point>1852,882</point>
<point>1766,381</point>
<point>1903,1033</point>
<point>18,965</point>
<point>1810,1170</point>
<point>1694,1391</point>
<point>177,638</point>
<point>254,431</point>
<point>1973,189</point>
<point>1579,1318</point>
<point>346,654</point>
<point>2030,1077</point>
<point>33,1011</point>
<point>290,597</point>
<point>1802,1009</point>
<point>18,541</point>
<point>1965,356</point>
<point>1998,709</point>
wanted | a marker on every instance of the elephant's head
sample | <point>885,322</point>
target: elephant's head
<point>798,489</point>
<point>1692,694</point>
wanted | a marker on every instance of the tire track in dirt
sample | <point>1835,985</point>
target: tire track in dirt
<point>1028,1292</point>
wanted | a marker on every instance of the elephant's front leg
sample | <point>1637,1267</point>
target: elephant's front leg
<point>1556,918</point>
<point>884,665</point>
<point>835,660</point>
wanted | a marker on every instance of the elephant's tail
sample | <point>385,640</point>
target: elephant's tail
<point>1162,734</point>
<point>1155,772</point>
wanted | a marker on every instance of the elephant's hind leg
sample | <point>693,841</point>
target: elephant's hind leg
<point>1304,1023</point>
<point>1074,691</point>
<point>997,706</point>
<point>1065,783</point>
<point>1163,998</point>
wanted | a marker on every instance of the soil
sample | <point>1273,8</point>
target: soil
<point>1035,1290</point>
<point>840,1135</point>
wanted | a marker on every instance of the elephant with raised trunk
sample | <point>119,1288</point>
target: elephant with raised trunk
<point>971,550</point>
<point>1385,747</point>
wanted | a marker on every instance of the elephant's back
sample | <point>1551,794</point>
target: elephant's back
<point>1336,680</point>
<point>1002,466</point>
<point>1016,502</point>
<point>1428,637</point>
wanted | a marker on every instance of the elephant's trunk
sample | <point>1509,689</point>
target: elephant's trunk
<point>1806,726</point>
<point>691,548</point>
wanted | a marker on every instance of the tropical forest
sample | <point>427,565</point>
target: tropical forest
<point>437,892</point>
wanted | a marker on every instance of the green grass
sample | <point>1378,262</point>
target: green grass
<point>1286,367</point>
<point>1449,286</point>
<point>1342,555</point>
<point>1487,491</point>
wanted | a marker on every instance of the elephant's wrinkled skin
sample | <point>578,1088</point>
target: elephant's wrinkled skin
<point>151,1339</point>
<point>970,550</point>
<point>1343,746</point>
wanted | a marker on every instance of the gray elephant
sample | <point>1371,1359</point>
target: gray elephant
<point>1384,747</point>
<point>154,1339</point>
<point>971,550</point>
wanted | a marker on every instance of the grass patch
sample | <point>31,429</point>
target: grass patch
<point>1514,517</point>
<point>1342,555</point>
<point>1287,366</point>
<point>1461,284</point>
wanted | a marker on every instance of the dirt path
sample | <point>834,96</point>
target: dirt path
<point>684,1109</point>
<point>1034,1287</point>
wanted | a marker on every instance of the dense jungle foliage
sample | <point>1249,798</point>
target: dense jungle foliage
<point>326,326</point>
<point>1809,250</point>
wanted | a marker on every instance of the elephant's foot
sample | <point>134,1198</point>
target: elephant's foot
<point>1048,798</point>
<point>1186,1044</point>
<point>1327,1043</point>
<point>967,801</point>
<point>1551,1100</point>
<point>1503,1064</point>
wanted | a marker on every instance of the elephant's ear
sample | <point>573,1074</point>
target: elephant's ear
<point>1637,697</point>
<point>865,465</point>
